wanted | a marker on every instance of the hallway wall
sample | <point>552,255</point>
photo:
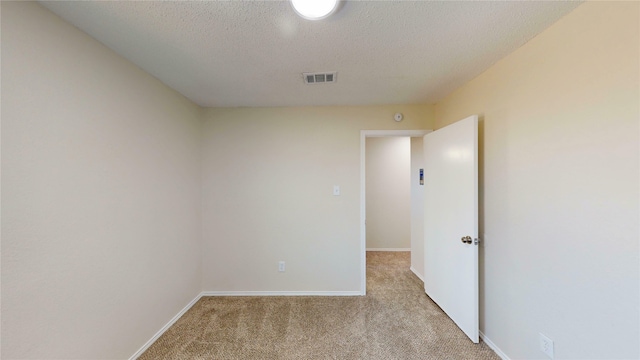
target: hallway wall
<point>388,202</point>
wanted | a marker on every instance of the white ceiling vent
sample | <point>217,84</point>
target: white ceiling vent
<point>320,78</point>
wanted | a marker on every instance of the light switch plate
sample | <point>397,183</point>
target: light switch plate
<point>336,190</point>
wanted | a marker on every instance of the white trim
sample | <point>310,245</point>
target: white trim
<point>165,328</point>
<point>363,213</point>
<point>493,346</point>
<point>413,270</point>
<point>389,133</point>
<point>363,217</point>
<point>281,293</point>
<point>388,249</point>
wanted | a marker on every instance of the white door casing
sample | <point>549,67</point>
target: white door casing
<point>451,216</point>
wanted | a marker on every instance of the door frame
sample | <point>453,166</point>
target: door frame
<point>364,134</point>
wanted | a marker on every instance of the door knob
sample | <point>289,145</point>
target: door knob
<point>466,239</point>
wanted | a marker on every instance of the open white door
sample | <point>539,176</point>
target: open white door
<point>451,222</point>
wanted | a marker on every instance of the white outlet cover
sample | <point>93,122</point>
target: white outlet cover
<point>546,345</point>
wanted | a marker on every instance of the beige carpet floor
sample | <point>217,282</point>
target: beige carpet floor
<point>396,320</point>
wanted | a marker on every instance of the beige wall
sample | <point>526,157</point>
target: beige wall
<point>268,176</point>
<point>388,167</point>
<point>100,195</point>
<point>417,207</point>
<point>559,187</point>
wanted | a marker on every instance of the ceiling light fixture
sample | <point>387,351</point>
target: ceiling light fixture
<point>314,9</point>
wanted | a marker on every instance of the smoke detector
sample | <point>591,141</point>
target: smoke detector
<point>320,78</point>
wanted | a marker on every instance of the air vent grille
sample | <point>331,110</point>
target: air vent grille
<point>320,78</point>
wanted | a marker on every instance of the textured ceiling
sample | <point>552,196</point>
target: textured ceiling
<point>253,53</point>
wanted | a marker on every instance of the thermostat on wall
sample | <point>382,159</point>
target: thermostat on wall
<point>398,117</point>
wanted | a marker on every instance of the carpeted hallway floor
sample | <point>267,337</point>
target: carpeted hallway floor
<point>396,320</point>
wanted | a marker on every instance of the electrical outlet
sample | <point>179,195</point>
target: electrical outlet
<point>281,266</point>
<point>546,346</point>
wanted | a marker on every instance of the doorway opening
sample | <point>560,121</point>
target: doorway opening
<point>415,203</point>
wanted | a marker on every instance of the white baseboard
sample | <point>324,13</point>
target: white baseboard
<point>281,293</point>
<point>165,327</point>
<point>413,270</point>
<point>388,249</point>
<point>493,347</point>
